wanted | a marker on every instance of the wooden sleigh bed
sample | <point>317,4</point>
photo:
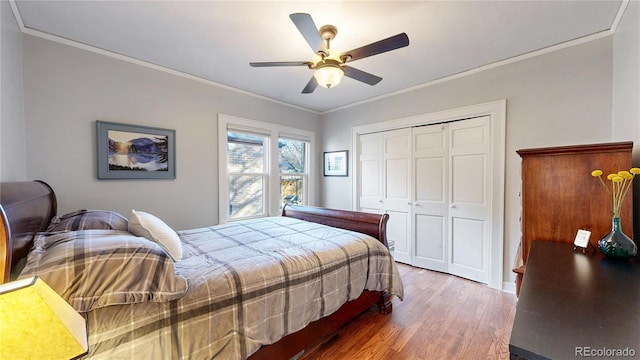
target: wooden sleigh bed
<point>28,207</point>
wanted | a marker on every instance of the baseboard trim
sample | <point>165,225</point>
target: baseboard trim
<point>509,287</point>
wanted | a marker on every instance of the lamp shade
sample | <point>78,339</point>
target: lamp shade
<point>36,323</point>
<point>328,76</point>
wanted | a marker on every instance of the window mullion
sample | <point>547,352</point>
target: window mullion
<point>274,191</point>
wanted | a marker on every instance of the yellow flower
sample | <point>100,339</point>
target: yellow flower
<point>625,175</point>
<point>620,185</point>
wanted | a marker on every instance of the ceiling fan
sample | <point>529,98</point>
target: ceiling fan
<point>330,67</point>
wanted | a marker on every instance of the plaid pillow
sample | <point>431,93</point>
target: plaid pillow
<point>88,220</point>
<point>96,268</point>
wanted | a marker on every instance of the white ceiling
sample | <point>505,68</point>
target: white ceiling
<point>216,40</point>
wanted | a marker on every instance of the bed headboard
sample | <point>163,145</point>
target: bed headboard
<point>371,224</point>
<point>25,208</point>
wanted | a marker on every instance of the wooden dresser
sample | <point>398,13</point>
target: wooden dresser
<point>559,195</point>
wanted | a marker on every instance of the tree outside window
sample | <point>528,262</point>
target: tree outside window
<point>292,168</point>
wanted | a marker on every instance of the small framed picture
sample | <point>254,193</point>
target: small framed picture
<point>135,152</point>
<point>582,239</point>
<point>336,163</point>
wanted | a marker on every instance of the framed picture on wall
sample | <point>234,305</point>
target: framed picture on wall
<point>135,152</point>
<point>336,163</point>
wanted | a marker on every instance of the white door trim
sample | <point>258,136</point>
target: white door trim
<point>497,111</point>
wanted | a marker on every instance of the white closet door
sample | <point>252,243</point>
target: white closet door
<point>397,191</point>
<point>370,172</point>
<point>431,204</point>
<point>470,198</point>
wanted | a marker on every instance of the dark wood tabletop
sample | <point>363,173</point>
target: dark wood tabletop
<point>574,305</point>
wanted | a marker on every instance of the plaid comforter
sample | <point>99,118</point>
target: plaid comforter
<point>250,284</point>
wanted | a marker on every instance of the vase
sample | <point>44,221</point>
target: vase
<point>616,244</point>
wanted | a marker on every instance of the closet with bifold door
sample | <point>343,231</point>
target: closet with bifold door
<point>434,181</point>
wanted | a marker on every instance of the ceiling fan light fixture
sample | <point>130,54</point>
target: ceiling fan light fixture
<point>328,75</point>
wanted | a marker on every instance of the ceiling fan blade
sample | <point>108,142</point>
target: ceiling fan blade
<point>311,86</point>
<point>378,47</point>
<point>360,75</point>
<point>309,31</point>
<point>280,63</point>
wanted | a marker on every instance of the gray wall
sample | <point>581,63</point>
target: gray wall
<point>626,76</point>
<point>626,91</point>
<point>12,131</point>
<point>67,89</point>
<point>559,98</point>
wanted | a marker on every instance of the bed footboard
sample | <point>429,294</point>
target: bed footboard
<point>385,306</point>
<point>374,225</point>
<point>293,344</point>
<point>371,224</point>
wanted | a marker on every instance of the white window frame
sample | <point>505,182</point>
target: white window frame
<point>274,132</point>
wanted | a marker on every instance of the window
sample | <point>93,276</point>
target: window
<point>247,171</point>
<point>293,174</point>
<point>263,166</point>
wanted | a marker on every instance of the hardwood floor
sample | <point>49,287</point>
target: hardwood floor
<point>441,317</point>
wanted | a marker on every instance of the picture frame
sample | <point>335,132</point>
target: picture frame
<point>336,163</point>
<point>135,152</point>
<point>582,240</point>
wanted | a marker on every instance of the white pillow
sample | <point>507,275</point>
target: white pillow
<point>148,226</point>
